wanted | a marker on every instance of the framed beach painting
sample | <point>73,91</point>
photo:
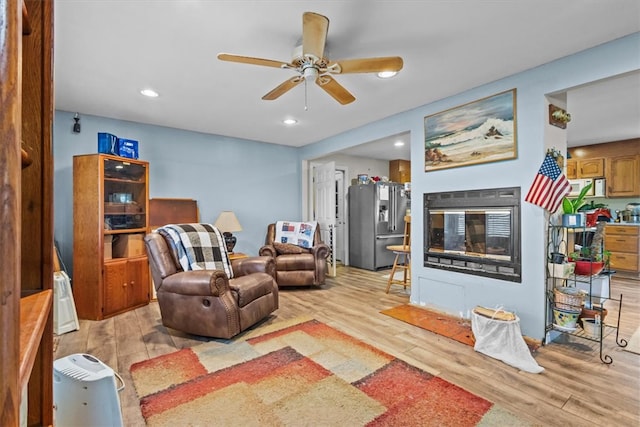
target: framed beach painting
<point>481,131</point>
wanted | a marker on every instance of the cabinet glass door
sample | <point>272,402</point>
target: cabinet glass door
<point>124,194</point>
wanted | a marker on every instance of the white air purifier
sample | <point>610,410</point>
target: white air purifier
<point>85,392</point>
<point>65,318</point>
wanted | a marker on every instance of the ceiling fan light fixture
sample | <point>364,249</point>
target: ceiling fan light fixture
<point>387,74</point>
<point>310,73</point>
<point>150,93</point>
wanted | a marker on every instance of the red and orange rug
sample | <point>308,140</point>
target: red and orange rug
<point>304,373</point>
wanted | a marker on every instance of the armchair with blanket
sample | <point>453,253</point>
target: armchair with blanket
<point>303,264</point>
<point>208,295</point>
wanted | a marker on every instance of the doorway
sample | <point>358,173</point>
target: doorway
<point>342,253</point>
<point>371,158</point>
<point>330,210</point>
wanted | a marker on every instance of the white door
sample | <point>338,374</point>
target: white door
<point>340,218</point>
<point>325,207</point>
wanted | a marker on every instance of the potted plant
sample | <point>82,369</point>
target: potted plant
<point>589,263</point>
<point>570,208</point>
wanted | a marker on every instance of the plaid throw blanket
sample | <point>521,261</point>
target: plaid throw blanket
<point>199,246</point>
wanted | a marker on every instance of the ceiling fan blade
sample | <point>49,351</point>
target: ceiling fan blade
<point>281,89</point>
<point>335,89</point>
<point>368,65</point>
<point>254,61</point>
<point>314,34</point>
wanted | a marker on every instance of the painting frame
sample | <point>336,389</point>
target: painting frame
<point>478,132</point>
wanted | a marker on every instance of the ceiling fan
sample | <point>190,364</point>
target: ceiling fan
<point>312,66</point>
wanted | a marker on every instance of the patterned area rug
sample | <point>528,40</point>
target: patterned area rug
<point>634,343</point>
<point>307,373</point>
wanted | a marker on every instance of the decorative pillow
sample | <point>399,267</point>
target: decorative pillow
<point>288,248</point>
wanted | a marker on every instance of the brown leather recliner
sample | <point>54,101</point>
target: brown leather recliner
<point>206,302</point>
<point>303,267</point>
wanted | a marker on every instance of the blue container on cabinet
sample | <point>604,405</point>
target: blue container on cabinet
<point>128,148</point>
<point>107,143</point>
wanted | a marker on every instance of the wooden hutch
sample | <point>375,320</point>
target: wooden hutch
<point>26,213</point>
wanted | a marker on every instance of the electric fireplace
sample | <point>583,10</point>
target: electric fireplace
<point>474,232</point>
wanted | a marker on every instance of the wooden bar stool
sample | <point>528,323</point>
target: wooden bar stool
<point>403,258</point>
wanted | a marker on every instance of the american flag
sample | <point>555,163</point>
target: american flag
<point>549,187</point>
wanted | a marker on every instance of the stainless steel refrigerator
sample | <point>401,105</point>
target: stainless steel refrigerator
<point>376,220</point>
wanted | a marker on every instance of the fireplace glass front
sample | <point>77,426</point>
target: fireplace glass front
<point>475,232</point>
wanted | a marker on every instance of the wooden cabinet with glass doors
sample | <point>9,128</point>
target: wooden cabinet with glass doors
<point>110,205</point>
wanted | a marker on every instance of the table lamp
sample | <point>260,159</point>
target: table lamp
<point>228,223</point>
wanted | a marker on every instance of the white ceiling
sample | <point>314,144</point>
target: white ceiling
<point>107,51</point>
<point>607,110</point>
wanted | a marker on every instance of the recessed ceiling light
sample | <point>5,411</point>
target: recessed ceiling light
<point>150,93</point>
<point>289,121</point>
<point>398,143</point>
<point>387,74</point>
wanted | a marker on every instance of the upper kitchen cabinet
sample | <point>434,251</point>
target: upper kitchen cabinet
<point>400,171</point>
<point>572,169</point>
<point>618,162</point>
<point>623,176</point>
<point>591,168</point>
<point>588,168</point>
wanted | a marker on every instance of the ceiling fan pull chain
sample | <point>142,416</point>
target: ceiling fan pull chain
<point>305,95</point>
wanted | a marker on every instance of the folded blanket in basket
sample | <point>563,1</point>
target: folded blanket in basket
<point>493,313</point>
<point>296,233</point>
<point>199,246</point>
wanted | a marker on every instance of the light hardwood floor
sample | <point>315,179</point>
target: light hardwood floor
<point>575,389</point>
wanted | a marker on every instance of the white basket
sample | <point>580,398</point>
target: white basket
<point>561,271</point>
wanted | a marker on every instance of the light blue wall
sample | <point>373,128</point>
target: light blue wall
<point>259,182</point>
<point>458,293</point>
<point>262,182</point>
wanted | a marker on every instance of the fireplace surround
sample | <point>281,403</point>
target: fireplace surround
<point>474,232</point>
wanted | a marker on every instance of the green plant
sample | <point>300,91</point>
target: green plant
<point>585,253</point>
<point>571,206</point>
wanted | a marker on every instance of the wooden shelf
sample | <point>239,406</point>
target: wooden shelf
<point>34,312</point>
<point>103,289</point>
<point>126,231</point>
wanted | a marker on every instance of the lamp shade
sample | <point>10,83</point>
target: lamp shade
<point>227,222</point>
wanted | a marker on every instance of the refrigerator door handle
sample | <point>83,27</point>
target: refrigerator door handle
<point>389,236</point>
<point>392,207</point>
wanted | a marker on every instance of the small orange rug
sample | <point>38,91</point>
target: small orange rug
<point>434,321</point>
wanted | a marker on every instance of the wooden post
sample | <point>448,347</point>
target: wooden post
<point>10,170</point>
